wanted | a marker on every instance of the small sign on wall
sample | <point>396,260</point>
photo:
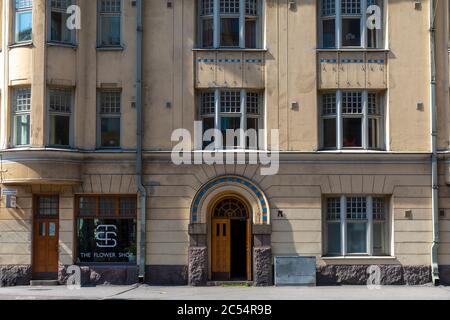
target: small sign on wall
<point>11,200</point>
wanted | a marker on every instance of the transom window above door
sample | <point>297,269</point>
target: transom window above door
<point>230,24</point>
<point>351,23</point>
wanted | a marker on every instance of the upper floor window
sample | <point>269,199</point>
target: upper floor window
<point>23,20</point>
<point>352,119</point>
<point>60,117</point>
<point>21,109</point>
<point>229,111</point>
<point>59,32</point>
<point>351,23</point>
<point>230,23</point>
<point>110,119</point>
<point>109,23</point>
<point>356,225</point>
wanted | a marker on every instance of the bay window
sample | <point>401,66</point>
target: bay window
<point>356,225</point>
<point>23,20</point>
<point>352,120</point>
<point>21,110</point>
<point>59,33</point>
<point>60,117</point>
<point>227,110</point>
<point>348,23</point>
<point>106,229</point>
<point>229,23</point>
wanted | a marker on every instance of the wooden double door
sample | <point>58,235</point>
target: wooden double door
<point>45,237</point>
<point>231,245</point>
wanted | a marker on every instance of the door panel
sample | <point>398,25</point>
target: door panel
<point>221,248</point>
<point>45,247</point>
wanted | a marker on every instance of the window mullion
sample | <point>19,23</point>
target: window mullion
<point>365,125</point>
<point>242,24</point>
<point>369,225</point>
<point>338,24</point>
<point>216,11</point>
<point>217,113</point>
<point>343,227</point>
<point>339,122</point>
<point>243,117</point>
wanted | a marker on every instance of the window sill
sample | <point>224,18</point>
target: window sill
<point>62,44</point>
<point>100,48</point>
<point>229,50</point>
<point>349,258</point>
<point>21,44</point>
<point>351,151</point>
<point>351,50</point>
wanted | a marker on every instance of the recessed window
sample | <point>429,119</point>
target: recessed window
<point>356,225</point>
<point>59,32</point>
<point>23,20</point>
<point>229,25</point>
<point>344,23</point>
<point>109,23</point>
<point>236,109</point>
<point>110,119</point>
<point>106,229</point>
<point>352,119</point>
<point>21,109</point>
<point>60,117</point>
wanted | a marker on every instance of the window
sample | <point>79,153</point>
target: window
<point>230,23</point>
<point>106,229</point>
<point>59,32</point>
<point>109,119</point>
<point>23,20</point>
<point>21,109</point>
<point>344,23</point>
<point>352,119</point>
<point>236,109</point>
<point>109,23</point>
<point>60,115</point>
<point>356,225</point>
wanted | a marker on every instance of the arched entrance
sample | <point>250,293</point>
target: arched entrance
<point>231,240</point>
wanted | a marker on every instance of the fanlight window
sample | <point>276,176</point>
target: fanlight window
<point>230,208</point>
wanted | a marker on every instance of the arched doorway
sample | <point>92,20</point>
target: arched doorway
<point>231,240</point>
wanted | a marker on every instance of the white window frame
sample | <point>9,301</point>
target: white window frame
<point>370,221</point>
<point>243,17</point>
<point>101,115</point>
<point>70,114</point>
<point>101,14</point>
<point>242,115</point>
<point>339,16</point>
<point>15,113</point>
<point>365,116</point>
<point>62,11</point>
<point>18,11</point>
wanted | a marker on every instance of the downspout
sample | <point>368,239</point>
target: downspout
<point>434,157</point>
<point>140,186</point>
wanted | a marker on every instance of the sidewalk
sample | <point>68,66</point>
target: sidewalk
<point>144,292</point>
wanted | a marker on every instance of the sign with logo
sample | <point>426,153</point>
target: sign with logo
<point>106,240</point>
<point>9,192</point>
<point>105,235</point>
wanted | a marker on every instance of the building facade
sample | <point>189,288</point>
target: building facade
<point>357,89</point>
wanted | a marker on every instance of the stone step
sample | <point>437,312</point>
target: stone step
<point>44,283</point>
<point>229,283</point>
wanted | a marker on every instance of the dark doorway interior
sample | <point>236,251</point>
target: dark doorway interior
<point>238,250</point>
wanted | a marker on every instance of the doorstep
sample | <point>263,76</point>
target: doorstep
<point>44,283</point>
<point>229,284</point>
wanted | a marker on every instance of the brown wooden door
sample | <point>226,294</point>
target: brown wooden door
<point>221,266</point>
<point>45,241</point>
<point>249,250</point>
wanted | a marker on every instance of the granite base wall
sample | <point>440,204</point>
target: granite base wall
<point>357,275</point>
<point>15,275</point>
